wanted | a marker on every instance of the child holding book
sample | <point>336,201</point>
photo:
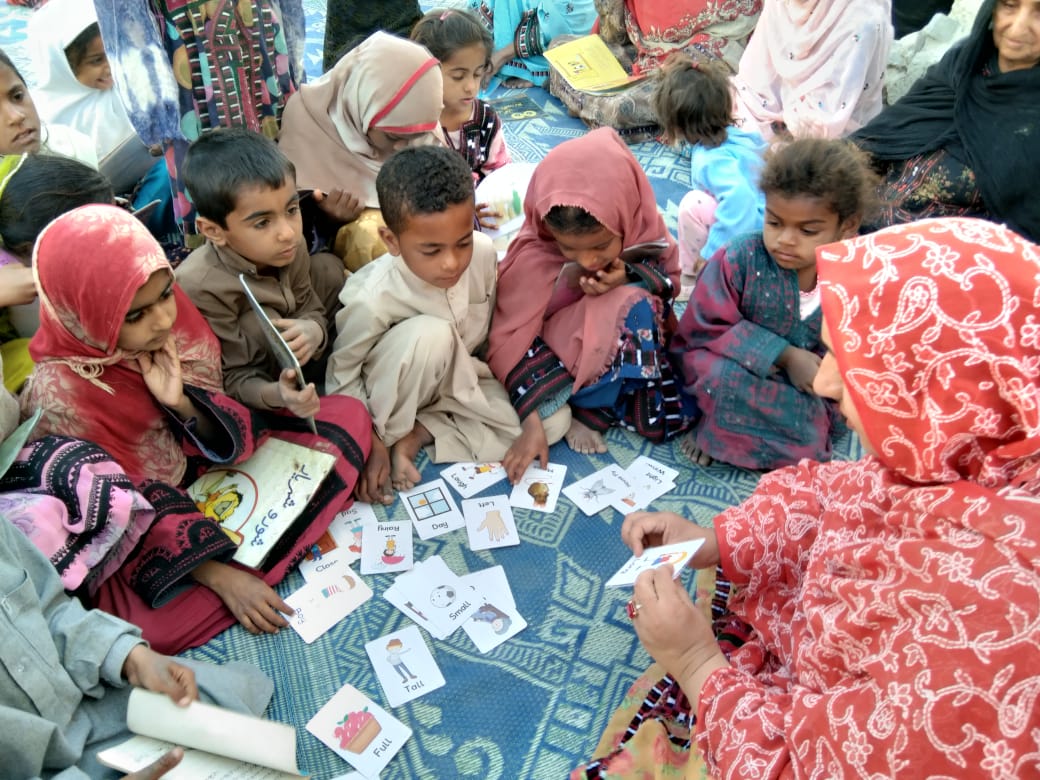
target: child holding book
<point>694,104</point>
<point>749,339</point>
<point>414,324</point>
<point>244,191</point>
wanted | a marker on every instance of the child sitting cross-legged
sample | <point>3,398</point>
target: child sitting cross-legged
<point>414,324</point>
<point>244,191</point>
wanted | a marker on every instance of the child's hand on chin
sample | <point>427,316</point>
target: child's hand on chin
<point>605,279</point>
<point>161,371</point>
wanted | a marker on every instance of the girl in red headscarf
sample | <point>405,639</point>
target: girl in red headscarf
<point>123,359</point>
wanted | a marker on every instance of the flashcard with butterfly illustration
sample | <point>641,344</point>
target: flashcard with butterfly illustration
<point>678,555</point>
<point>359,731</point>
<point>490,523</point>
<point>340,545</point>
<point>404,665</point>
<point>432,509</point>
<point>539,488</point>
<point>594,493</point>
<point>324,601</point>
<point>650,480</point>
<point>386,546</point>
<point>468,479</point>
<point>496,618</point>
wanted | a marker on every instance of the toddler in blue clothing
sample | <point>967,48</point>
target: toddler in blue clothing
<point>694,104</point>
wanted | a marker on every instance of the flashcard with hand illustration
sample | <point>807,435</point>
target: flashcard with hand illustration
<point>490,523</point>
<point>340,545</point>
<point>468,479</point>
<point>432,509</point>
<point>324,601</point>
<point>539,488</point>
<point>404,665</point>
<point>594,493</point>
<point>678,555</point>
<point>386,546</point>
<point>359,731</point>
<point>650,480</point>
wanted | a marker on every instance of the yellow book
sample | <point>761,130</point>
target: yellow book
<point>589,66</point>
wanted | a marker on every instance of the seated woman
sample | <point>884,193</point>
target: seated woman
<point>583,312</point>
<point>889,605</point>
<point>814,67</point>
<point>124,360</point>
<point>381,96</point>
<point>965,140</point>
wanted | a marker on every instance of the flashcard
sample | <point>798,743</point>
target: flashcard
<point>489,523</point>
<point>323,602</point>
<point>433,596</point>
<point>359,731</point>
<point>650,480</point>
<point>340,545</point>
<point>490,583</point>
<point>432,509</point>
<point>496,618</point>
<point>539,488</point>
<point>386,546</point>
<point>404,665</point>
<point>678,555</point>
<point>594,493</point>
<point>468,479</point>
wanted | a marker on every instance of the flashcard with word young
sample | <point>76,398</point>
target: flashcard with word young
<point>496,618</point>
<point>594,493</point>
<point>678,555</point>
<point>324,601</point>
<point>650,480</point>
<point>468,479</point>
<point>386,546</point>
<point>404,665</point>
<point>539,488</point>
<point>490,523</point>
<point>340,545</point>
<point>359,731</point>
<point>432,509</point>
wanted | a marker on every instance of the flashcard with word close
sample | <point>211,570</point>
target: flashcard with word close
<point>490,523</point>
<point>340,545</point>
<point>432,509</point>
<point>359,731</point>
<point>650,480</point>
<point>404,665</point>
<point>386,546</point>
<point>594,493</point>
<point>539,488</point>
<point>324,601</point>
<point>468,479</point>
<point>496,618</point>
<point>678,555</point>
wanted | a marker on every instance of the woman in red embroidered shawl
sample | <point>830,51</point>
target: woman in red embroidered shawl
<point>891,605</point>
<point>125,360</point>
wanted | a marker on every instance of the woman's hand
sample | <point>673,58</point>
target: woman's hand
<point>339,204</point>
<point>641,530</point>
<point>302,403</point>
<point>161,371</point>
<point>531,444</point>
<point>303,337</point>
<point>147,669</point>
<point>801,366</point>
<point>605,279</point>
<point>251,600</point>
<point>17,285</point>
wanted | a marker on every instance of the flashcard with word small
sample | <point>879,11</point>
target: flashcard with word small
<point>539,488</point>
<point>359,731</point>
<point>678,555</point>
<point>433,596</point>
<point>340,545</point>
<point>468,479</point>
<point>404,665</point>
<point>386,546</point>
<point>324,601</point>
<point>490,523</point>
<point>432,509</point>
<point>594,493</point>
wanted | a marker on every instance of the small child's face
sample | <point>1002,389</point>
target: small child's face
<point>19,122</point>
<point>437,247</point>
<point>593,251</point>
<point>93,70</point>
<point>796,226</point>
<point>151,316</point>
<point>463,72</point>
<point>266,227</point>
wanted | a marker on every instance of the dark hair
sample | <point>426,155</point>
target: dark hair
<point>445,31</point>
<point>77,50</point>
<point>5,60</point>
<point>693,102</point>
<point>422,180</point>
<point>41,190</point>
<point>221,163</point>
<point>571,219</point>
<point>836,171</point>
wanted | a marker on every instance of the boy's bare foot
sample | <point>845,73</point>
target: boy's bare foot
<point>688,447</point>
<point>584,440</point>
<point>403,473</point>
<point>373,486</point>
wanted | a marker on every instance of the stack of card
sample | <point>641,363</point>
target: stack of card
<point>433,596</point>
<point>496,618</point>
<point>359,731</point>
<point>627,490</point>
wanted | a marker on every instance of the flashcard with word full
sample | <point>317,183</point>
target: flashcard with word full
<point>386,546</point>
<point>490,523</point>
<point>594,493</point>
<point>359,731</point>
<point>324,601</point>
<point>539,488</point>
<point>404,665</point>
<point>678,555</point>
<point>432,509</point>
<point>468,479</point>
<point>340,545</point>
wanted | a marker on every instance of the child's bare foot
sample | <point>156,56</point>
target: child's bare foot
<point>403,473</point>
<point>688,447</point>
<point>584,440</point>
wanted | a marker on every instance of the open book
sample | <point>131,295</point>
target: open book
<point>218,744</point>
<point>257,500</point>
<point>589,66</point>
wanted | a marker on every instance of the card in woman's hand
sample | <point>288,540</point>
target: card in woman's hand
<point>678,555</point>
